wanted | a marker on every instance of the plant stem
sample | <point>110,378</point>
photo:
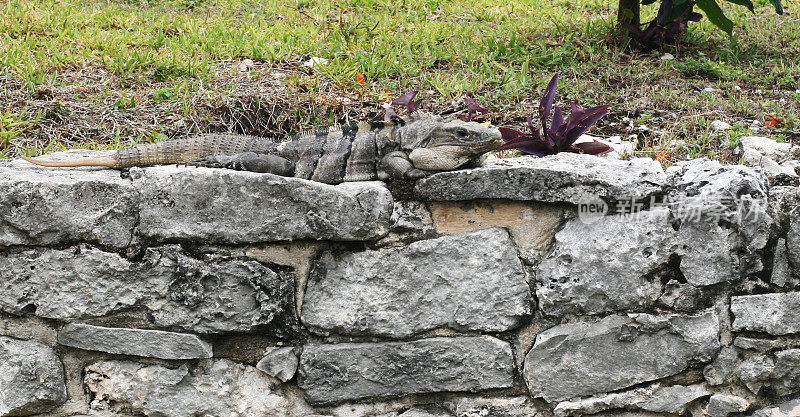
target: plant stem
<point>628,11</point>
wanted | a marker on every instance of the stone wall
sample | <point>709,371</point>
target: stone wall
<point>489,292</point>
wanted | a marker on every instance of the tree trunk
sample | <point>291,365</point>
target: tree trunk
<point>628,11</point>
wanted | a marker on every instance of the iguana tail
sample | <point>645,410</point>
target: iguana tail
<point>81,162</point>
<point>170,152</point>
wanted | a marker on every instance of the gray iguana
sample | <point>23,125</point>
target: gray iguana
<point>407,148</point>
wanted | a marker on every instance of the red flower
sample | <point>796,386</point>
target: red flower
<point>772,121</point>
<point>662,157</point>
<point>360,79</point>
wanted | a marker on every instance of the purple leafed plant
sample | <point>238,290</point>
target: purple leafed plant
<point>668,26</point>
<point>562,134</point>
<point>473,108</point>
<point>406,99</point>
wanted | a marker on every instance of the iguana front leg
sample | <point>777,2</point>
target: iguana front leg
<point>248,161</point>
<point>397,165</point>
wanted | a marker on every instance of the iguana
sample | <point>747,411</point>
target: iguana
<point>408,148</point>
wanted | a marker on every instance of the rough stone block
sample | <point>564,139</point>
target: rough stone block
<point>604,266</point>
<point>31,378</point>
<point>214,388</point>
<point>135,342</point>
<point>279,362</point>
<point>225,206</point>
<point>617,352</point>
<point>723,368</point>
<point>781,276</point>
<point>721,405</point>
<point>706,233</point>
<point>787,409</point>
<point>780,371</point>
<point>353,371</point>
<point>673,400</point>
<point>498,407</point>
<point>411,221</point>
<point>730,201</point>
<point>472,281</point>
<point>177,290</point>
<point>565,177</point>
<point>770,313</point>
<point>46,206</point>
<point>532,225</point>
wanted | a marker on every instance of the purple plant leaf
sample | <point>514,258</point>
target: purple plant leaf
<point>530,145</point>
<point>558,119</point>
<point>633,31</point>
<point>593,148</point>
<point>407,100</point>
<point>664,11</point>
<point>473,106</point>
<point>531,126</point>
<point>510,135</point>
<point>585,122</point>
<point>547,100</point>
<point>538,148</point>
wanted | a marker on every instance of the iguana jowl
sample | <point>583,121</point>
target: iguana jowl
<point>407,148</point>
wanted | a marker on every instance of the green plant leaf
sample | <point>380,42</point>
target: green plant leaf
<point>715,15</point>
<point>745,3</point>
<point>646,2</point>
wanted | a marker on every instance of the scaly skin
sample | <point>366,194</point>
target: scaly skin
<point>409,148</point>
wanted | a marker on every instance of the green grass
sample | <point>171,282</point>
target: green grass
<point>172,59</point>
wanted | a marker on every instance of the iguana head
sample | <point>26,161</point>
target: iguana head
<point>444,145</point>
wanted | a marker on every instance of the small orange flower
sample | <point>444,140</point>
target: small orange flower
<point>361,79</point>
<point>662,157</point>
<point>772,121</point>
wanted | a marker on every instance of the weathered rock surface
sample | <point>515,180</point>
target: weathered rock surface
<point>279,362</point>
<point>793,237</point>
<point>779,151</point>
<point>723,368</point>
<point>655,398</point>
<point>721,405</point>
<point>565,177</point>
<point>713,228</point>
<point>604,266</point>
<point>787,409</point>
<point>779,371</point>
<point>781,275</point>
<point>497,407</point>
<point>726,203</point>
<point>411,221</point>
<point>770,313</point>
<point>761,345</point>
<point>179,291</point>
<point>225,206</point>
<point>617,352</point>
<point>136,342</point>
<point>352,371</point>
<point>45,206</point>
<point>472,281</point>
<point>771,168</point>
<point>532,225</point>
<point>213,388</point>
<point>31,378</point>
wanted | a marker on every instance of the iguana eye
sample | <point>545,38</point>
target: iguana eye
<point>462,132</point>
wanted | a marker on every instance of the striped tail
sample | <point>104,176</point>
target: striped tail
<point>82,162</point>
<point>170,152</point>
